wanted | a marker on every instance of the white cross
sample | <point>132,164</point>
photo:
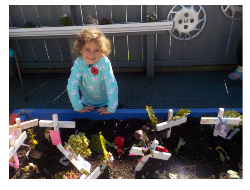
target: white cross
<point>17,139</point>
<point>144,159</point>
<point>70,154</point>
<point>170,123</point>
<point>57,124</point>
<point>18,127</point>
<point>15,145</point>
<point>216,120</point>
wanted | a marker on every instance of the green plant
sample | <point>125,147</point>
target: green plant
<point>32,141</point>
<point>95,143</point>
<point>79,143</point>
<point>151,17</point>
<point>46,133</point>
<point>29,25</point>
<point>222,157</point>
<point>181,113</point>
<point>104,21</point>
<point>233,114</point>
<point>152,117</point>
<point>108,158</point>
<point>66,20</point>
<point>181,143</point>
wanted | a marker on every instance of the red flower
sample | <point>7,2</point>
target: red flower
<point>162,149</point>
<point>94,70</point>
<point>119,142</point>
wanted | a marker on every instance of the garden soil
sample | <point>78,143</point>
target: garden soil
<point>196,159</point>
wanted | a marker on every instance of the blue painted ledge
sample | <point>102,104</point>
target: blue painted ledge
<point>69,114</point>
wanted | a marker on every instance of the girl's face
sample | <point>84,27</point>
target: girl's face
<point>91,52</point>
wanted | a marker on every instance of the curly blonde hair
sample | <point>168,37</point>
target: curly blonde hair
<point>92,34</point>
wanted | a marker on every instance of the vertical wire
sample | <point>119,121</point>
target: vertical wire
<point>60,52</point>
<point>114,45</point>
<point>46,49</point>
<point>22,14</point>
<point>96,12</point>
<point>228,41</point>
<point>38,16</point>
<point>111,14</point>
<point>81,14</point>
<point>156,34</point>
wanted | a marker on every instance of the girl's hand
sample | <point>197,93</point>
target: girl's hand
<point>102,110</point>
<point>86,109</point>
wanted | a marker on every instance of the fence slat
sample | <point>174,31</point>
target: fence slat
<point>236,36</point>
<point>208,32</point>
<point>77,15</point>
<point>30,14</point>
<point>163,45</point>
<point>39,49</point>
<point>88,10</point>
<point>118,13</point>
<point>26,50</point>
<point>134,13</point>
<point>103,11</point>
<point>121,51</point>
<point>53,49</point>
<point>134,43</point>
<point>16,16</point>
<point>49,15</point>
<point>222,31</point>
<point>65,49</point>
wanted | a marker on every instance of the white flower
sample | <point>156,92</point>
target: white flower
<point>64,15</point>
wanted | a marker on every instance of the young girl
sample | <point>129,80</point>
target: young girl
<point>92,74</point>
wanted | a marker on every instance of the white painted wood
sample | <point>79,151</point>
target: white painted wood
<point>106,29</point>
<point>17,144</point>
<point>95,174</point>
<point>55,122</point>
<point>11,140</point>
<point>216,120</point>
<point>19,129</point>
<point>70,157</point>
<point>23,125</point>
<point>61,124</point>
<point>170,114</point>
<point>221,113</point>
<point>157,154</point>
<point>141,163</point>
<point>171,123</point>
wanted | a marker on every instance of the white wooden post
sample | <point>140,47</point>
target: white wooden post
<point>93,175</point>
<point>71,157</point>
<point>18,127</point>
<point>17,144</point>
<point>56,124</point>
<point>170,123</point>
<point>216,120</point>
<point>144,159</point>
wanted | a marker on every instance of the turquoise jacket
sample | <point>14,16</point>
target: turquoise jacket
<point>97,85</point>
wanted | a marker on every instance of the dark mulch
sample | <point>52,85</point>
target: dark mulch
<point>197,159</point>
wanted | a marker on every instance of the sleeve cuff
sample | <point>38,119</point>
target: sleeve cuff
<point>111,110</point>
<point>78,107</point>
